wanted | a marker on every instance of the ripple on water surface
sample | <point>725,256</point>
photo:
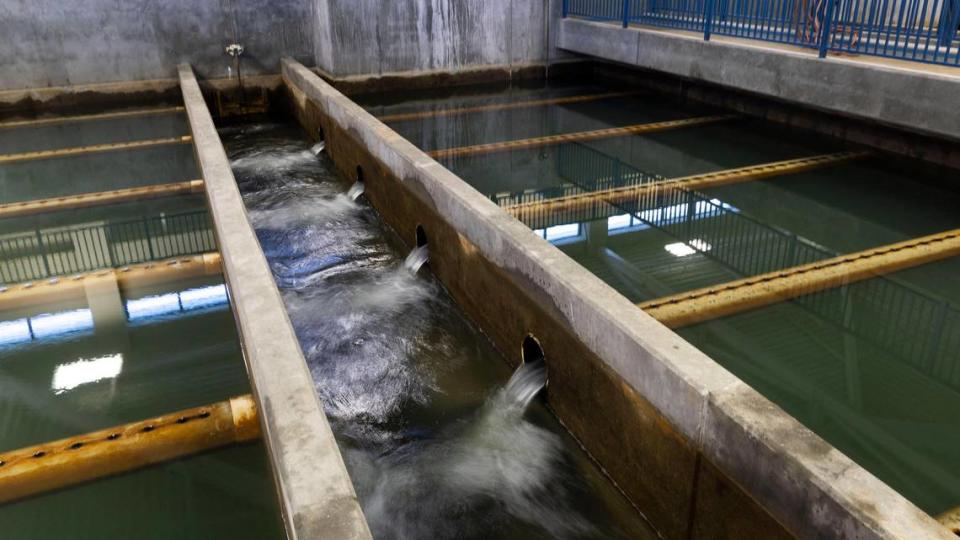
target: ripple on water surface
<point>438,444</point>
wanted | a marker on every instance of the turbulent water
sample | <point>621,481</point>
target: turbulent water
<point>355,191</point>
<point>440,440</point>
<point>416,259</point>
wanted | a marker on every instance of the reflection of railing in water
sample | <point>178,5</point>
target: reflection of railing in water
<point>46,253</point>
<point>921,330</point>
<point>743,244</point>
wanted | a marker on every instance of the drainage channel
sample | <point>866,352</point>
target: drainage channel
<point>665,215</point>
<point>119,353</point>
<point>441,440</point>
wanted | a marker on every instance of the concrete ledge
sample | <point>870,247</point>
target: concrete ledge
<point>913,98</point>
<point>667,389</point>
<point>315,492</point>
<point>102,96</point>
<point>447,80</point>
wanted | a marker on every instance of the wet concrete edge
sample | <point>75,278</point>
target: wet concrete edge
<point>809,487</point>
<point>315,492</point>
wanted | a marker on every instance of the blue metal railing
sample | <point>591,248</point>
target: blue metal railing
<point>917,30</point>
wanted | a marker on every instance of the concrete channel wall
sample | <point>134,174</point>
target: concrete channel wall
<point>905,95</point>
<point>700,453</point>
<point>315,493</point>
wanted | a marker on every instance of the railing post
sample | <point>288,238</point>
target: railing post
<point>43,253</point>
<point>626,13</point>
<point>146,232</point>
<point>826,27</point>
<point>708,19</point>
<point>566,8</point>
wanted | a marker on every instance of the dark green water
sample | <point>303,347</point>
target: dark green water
<point>57,177</point>
<point>149,352</point>
<point>71,370</point>
<point>113,213</point>
<point>93,132</point>
<point>874,367</point>
<point>89,363</point>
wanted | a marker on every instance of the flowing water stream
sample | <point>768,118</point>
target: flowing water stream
<point>441,441</point>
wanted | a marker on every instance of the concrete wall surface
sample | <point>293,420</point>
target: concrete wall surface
<point>47,43</point>
<point>63,43</point>
<point>900,94</point>
<point>375,37</point>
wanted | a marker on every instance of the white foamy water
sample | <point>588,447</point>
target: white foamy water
<point>301,211</point>
<point>438,446</point>
<point>356,190</point>
<point>317,148</point>
<point>273,161</point>
<point>497,460</point>
<point>416,259</point>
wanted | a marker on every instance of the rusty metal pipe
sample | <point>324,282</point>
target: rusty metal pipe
<point>537,142</point>
<point>57,120</point>
<point>541,210</point>
<point>85,200</point>
<point>138,275</point>
<point>67,462</point>
<point>400,117</point>
<point>93,149</point>
<point>762,290</point>
<point>951,520</point>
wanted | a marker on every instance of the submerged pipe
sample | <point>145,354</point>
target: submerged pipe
<point>57,120</point>
<point>67,462</point>
<point>550,140</point>
<point>94,149</point>
<point>84,200</point>
<point>504,106</point>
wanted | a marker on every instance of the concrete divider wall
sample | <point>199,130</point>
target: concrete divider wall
<point>699,452</point>
<point>909,96</point>
<point>316,495</point>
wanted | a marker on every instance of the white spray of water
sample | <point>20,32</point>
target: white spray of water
<point>499,456</point>
<point>356,190</point>
<point>317,148</point>
<point>525,383</point>
<point>416,259</point>
<point>300,212</point>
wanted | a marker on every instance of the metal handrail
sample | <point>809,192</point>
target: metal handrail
<point>916,30</point>
<point>47,253</point>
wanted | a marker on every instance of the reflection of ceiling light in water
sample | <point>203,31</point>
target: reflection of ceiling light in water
<point>165,304</point>
<point>54,324</point>
<point>681,249</point>
<point>204,297</point>
<point>69,376</point>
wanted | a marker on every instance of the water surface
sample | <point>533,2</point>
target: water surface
<point>437,443</point>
